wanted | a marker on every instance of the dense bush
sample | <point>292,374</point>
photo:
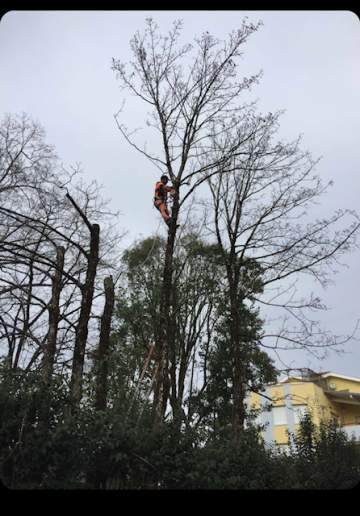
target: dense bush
<point>107,450</point>
<point>324,457</point>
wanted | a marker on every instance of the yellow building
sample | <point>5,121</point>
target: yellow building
<point>326,395</point>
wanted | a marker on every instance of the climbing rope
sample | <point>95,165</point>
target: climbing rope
<point>152,346</point>
<point>154,242</point>
<point>143,372</point>
<point>147,395</point>
<point>152,247</point>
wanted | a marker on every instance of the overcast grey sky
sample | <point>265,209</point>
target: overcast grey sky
<point>56,66</point>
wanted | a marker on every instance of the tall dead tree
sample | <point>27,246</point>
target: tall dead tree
<point>192,92</point>
<point>54,317</point>
<point>87,295</point>
<point>102,352</point>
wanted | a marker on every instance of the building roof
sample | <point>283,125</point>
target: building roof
<point>335,375</point>
<point>287,378</point>
<point>326,374</point>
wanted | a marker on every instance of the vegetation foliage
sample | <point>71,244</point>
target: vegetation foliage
<point>130,370</point>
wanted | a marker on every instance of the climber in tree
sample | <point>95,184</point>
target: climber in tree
<point>160,198</point>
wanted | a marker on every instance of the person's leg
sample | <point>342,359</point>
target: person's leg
<point>164,212</point>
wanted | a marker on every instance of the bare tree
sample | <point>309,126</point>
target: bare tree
<point>43,209</point>
<point>192,92</point>
<point>260,202</point>
<point>87,296</point>
<point>23,150</point>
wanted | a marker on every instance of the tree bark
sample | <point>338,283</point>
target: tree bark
<point>50,347</point>
<point>102,354</point>
<point>163,344</point>
<point>85,310</point>
<point>238,416</point>
<point>54,313</point>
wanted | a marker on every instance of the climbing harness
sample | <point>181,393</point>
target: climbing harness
<point>160,200</point>
<point>160,192</point>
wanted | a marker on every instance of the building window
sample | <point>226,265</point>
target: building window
<point>279,415</point>
<point>299,412</point>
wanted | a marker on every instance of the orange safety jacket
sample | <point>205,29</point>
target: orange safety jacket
<point>161,192</point>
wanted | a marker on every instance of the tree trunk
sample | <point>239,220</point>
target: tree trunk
<point>27,308</point>
<point>85,310</point>
<point>175,393</point>
<point>238,416</point>
<point>54,313</point>
<point>163,344</point>
<point>102,358</point>
<point>50,348</point>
